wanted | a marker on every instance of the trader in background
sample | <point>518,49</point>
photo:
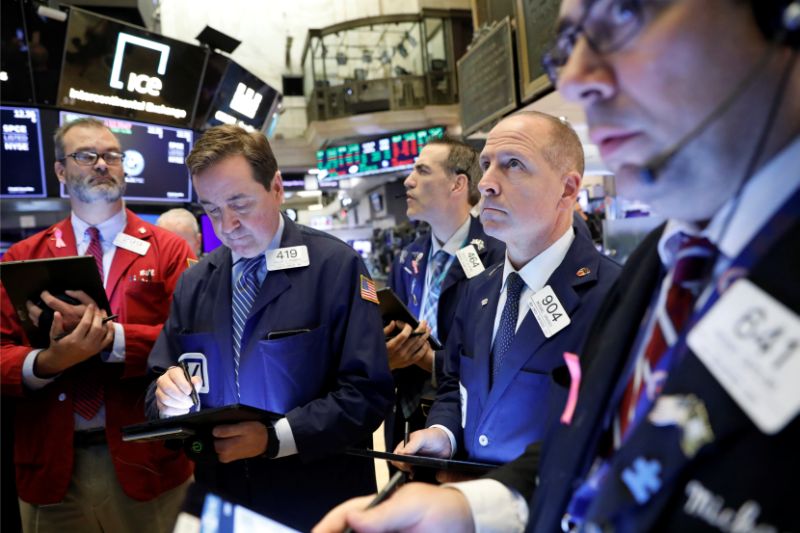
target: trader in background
<point>686,415</point>
<point>431,273</point>
<point>73,471</point>
<point>283,318</point>
<point>183,223</point>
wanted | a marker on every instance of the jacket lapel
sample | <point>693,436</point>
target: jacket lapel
<point>223,328</point>
<point>67,235</point>
<point>483,326</point>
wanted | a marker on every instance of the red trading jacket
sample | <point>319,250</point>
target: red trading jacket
<point>43,450</point>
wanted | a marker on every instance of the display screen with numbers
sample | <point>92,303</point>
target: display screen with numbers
<point>154,159</point>
<point>21,158</point>
<point>385,154</point>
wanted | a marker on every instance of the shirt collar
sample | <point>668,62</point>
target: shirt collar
<point>539,269</point>
<point>274,243</point>
<point>455,242</point>
<point>761,197</point>
<point>108,228</point>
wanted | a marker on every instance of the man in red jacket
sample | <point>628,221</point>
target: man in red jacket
<point>73,471</point>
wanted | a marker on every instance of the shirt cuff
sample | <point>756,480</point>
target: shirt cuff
<point>286,442</point>
<point>31,380</point>
<point>449,436</point>
<point>117,354</point>
<point>494,506</point>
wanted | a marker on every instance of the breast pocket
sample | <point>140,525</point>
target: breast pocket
<point>146,302</point>
<point>293,370</point>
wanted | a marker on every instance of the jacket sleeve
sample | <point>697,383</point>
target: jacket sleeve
<point>521,473</point>
<point>360,393</point>
<point>14,345</point>
<point>173,255</point>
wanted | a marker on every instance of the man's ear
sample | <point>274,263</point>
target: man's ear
<point>571,182</point>
<point>277,186</point>
<point>460,183</point>
<point>60,170</point>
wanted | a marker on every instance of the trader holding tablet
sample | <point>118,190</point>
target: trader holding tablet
<point>73,471</point>
<point>283,318</point>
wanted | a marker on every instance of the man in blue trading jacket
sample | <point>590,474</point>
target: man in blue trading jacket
<point>516,319</point>
<point>686,418</point>
<point>283,318</point>
<point>430,274</point>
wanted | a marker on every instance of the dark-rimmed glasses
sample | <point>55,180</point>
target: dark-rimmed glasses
<point>87,158</point>
<point>607,25</point>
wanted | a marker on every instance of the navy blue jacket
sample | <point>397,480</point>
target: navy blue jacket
<point>497,423</point>
<point>332,382</point>
<point>742,475</point>
<point>408,282</point>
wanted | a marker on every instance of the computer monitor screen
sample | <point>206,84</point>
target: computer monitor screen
<point>117,69</point>
<point>21,157</point>
<point>154,159</point>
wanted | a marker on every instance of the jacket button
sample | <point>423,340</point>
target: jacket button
<point>62,397</point>
<point>483,440</point>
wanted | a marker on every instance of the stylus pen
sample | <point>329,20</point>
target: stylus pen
<point>195,399</point>
<point>397,480</point>
<point>65,333</point>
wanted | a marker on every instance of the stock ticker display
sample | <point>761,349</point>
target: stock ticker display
<point>375,156</point>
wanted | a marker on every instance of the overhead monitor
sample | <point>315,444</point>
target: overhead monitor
<point>241,98</point>
<point>21,157</point>
<point>380,155</point>
<point>117,69</point>
<point>154,159</point>
<point>15,65</point>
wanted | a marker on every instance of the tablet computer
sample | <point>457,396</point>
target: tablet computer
<point>25,280</point>
<point>467,467</point>
<point>392,308</point>
<point>191,424</point>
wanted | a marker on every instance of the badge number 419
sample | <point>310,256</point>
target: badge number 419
<point>289,257</point>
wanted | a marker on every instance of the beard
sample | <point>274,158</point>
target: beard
<point>84,189</point>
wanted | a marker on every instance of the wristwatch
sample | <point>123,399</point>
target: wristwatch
<point>273,444</point>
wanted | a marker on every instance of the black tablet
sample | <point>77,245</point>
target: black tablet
<point>25,280</point>
<point>467,467</point>
<point>189,425</point>
<point>392,308</point>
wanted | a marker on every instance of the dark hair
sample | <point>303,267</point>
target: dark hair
<point>224,141</point>
<point>83,122</point>
<point>462,159</point>
<point>563,151</point>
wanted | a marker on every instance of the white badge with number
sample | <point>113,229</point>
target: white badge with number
<point>750,342</point>
<point>549,312</point>
<point>291,257</point>
<point>132,244</point>
<point>470,261</point>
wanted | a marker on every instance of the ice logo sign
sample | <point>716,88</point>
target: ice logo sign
<point>138,83</point>
<point>246,101</point>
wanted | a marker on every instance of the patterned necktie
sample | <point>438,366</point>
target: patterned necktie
<point>431,308</point>
<point>508,322</point>
<point>87,388</point>
<point>244,294</point>
<point>693,260</point>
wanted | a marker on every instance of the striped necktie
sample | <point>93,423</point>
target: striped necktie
<point>508,322</point>
<point>693,260</point>
<point>244,294</point>
<point>87,387</point>
<point>430,311</point>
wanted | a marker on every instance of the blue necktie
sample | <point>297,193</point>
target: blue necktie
<point>431,308</point>
<point>508,322</point>
<point>244,294</point>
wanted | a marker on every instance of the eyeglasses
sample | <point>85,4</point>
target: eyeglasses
<point>607,25</point>
<point>86,158</point>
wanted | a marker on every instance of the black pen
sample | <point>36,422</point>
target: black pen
<point>397,480</point>
<point>185,368</point>
<point>65,333</point>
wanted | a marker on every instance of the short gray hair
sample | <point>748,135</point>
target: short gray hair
<point>179,214</point>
